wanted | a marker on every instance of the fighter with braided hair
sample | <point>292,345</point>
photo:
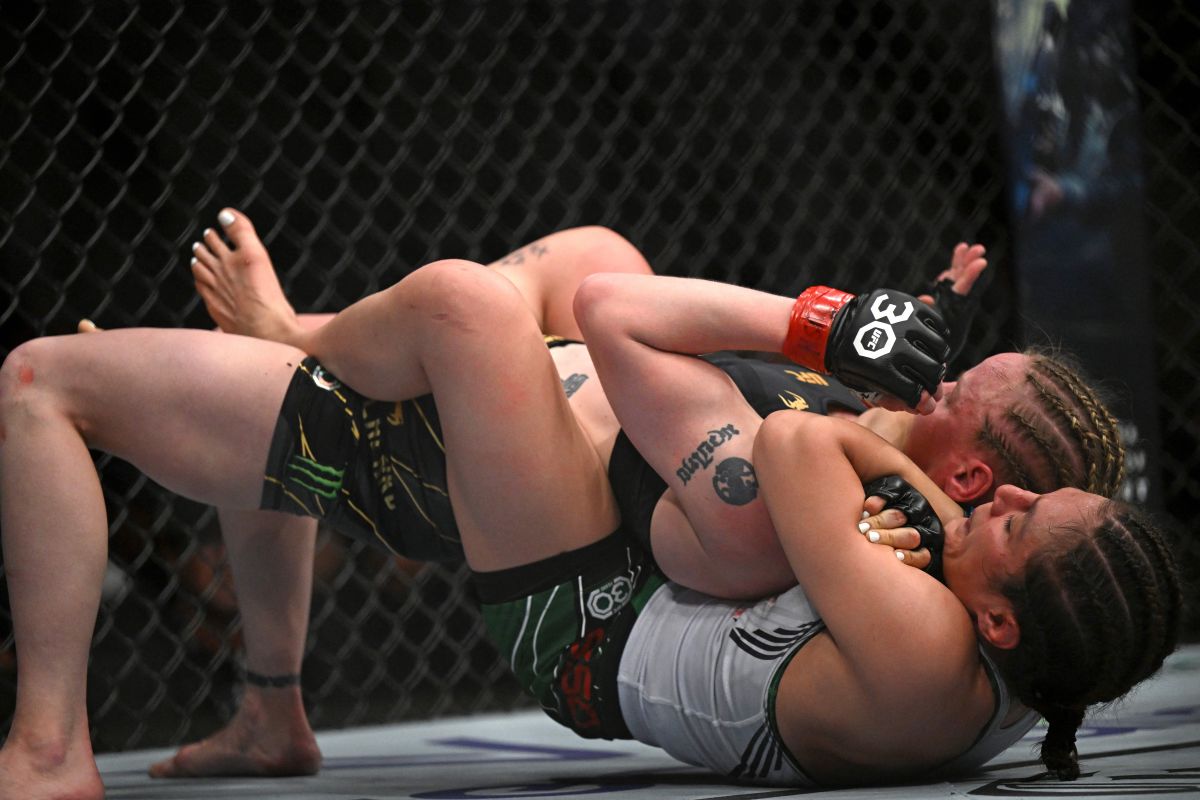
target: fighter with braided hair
<point>534,512</point>
<point>1035,573</point>
<point>1081,605</point>
<point>243,295</point>
<point>1073,597</point>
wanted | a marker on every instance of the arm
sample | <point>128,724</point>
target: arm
<point>812,469</point>
<point>688,419</point>
<point>896,621</point>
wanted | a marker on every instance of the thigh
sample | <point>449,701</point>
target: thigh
<point>524,480</point>
<point>194,410</point>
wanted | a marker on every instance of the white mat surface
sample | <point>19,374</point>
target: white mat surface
<point>1147,746</point>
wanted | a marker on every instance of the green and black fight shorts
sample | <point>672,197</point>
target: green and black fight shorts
<point>562,624</point>
<point>374,471</point>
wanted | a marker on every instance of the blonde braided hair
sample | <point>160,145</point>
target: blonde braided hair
<point>1063,434</point>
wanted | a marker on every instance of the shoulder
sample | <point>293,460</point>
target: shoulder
<point>780,428</point>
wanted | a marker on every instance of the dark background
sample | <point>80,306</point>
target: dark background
<point>770,144</point>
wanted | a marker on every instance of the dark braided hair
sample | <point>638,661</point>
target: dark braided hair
<point>1098,610</point>
<point>1061,434</point>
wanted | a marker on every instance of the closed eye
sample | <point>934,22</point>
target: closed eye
<point>1008,523</point>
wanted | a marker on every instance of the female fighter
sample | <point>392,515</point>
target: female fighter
<point>202,413</point>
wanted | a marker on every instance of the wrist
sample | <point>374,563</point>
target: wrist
<point>810,324</point>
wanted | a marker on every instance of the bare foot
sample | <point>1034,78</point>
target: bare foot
<point>239,286</point>
<point>269,736</point>
<point>34,773</point>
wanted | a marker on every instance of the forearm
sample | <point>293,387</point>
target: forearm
<point>824,461</point>
<point>681,315</point>
<point>808,448</point>
<point>311,322</point>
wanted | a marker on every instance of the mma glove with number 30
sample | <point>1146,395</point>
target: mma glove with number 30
<point>883,342</point>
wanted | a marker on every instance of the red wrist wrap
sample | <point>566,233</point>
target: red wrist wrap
<point>808,331</point>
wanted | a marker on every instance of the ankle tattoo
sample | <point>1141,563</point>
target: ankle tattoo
<point>272,681</point>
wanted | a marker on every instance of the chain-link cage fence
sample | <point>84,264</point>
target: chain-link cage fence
<point>770,144</point>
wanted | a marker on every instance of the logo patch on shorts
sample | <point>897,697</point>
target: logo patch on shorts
<point>606,600</point>
<point>315,477</point>
<point>324,379</point>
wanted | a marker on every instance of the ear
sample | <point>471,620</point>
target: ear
<point>998,627</point>
<point>971,482</point>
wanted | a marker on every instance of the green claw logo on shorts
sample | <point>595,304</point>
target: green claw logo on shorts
<point>606,600</point>
<point>316,478</point>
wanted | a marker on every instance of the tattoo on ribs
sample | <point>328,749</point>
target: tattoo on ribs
<point>702,456</point>
<point>572,382</point>
<point>530,251</point>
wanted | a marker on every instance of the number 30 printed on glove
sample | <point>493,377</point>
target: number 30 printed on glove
<point>884,342</point>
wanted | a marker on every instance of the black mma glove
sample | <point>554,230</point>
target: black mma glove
<point>888,342</point>
<point>897,493</point>
<point>885,342</point>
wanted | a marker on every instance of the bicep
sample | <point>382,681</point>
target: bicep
<point>692,425</point>
<point>698,435</point>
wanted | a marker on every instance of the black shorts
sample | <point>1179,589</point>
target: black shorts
<point>371,470</point>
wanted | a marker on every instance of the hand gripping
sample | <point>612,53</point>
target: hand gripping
<point>958,310</point>
<point>897,493</point>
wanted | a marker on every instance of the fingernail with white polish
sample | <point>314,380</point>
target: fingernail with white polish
<point>863,527</point>
<point>866,514</point>
<point>193,262</point>
<point>207,231</point>
<point>195,247</point>
<point>900,554</point>
<point>225,218</point>
<point>873,536</point>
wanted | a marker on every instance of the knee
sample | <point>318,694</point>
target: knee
<point>23,378</point>
<point>463,294</point>
<point>596,303</point>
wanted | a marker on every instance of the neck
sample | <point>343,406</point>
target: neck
<point>893,426</point>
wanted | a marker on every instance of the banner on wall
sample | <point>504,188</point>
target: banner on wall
<point>1075,190</point>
